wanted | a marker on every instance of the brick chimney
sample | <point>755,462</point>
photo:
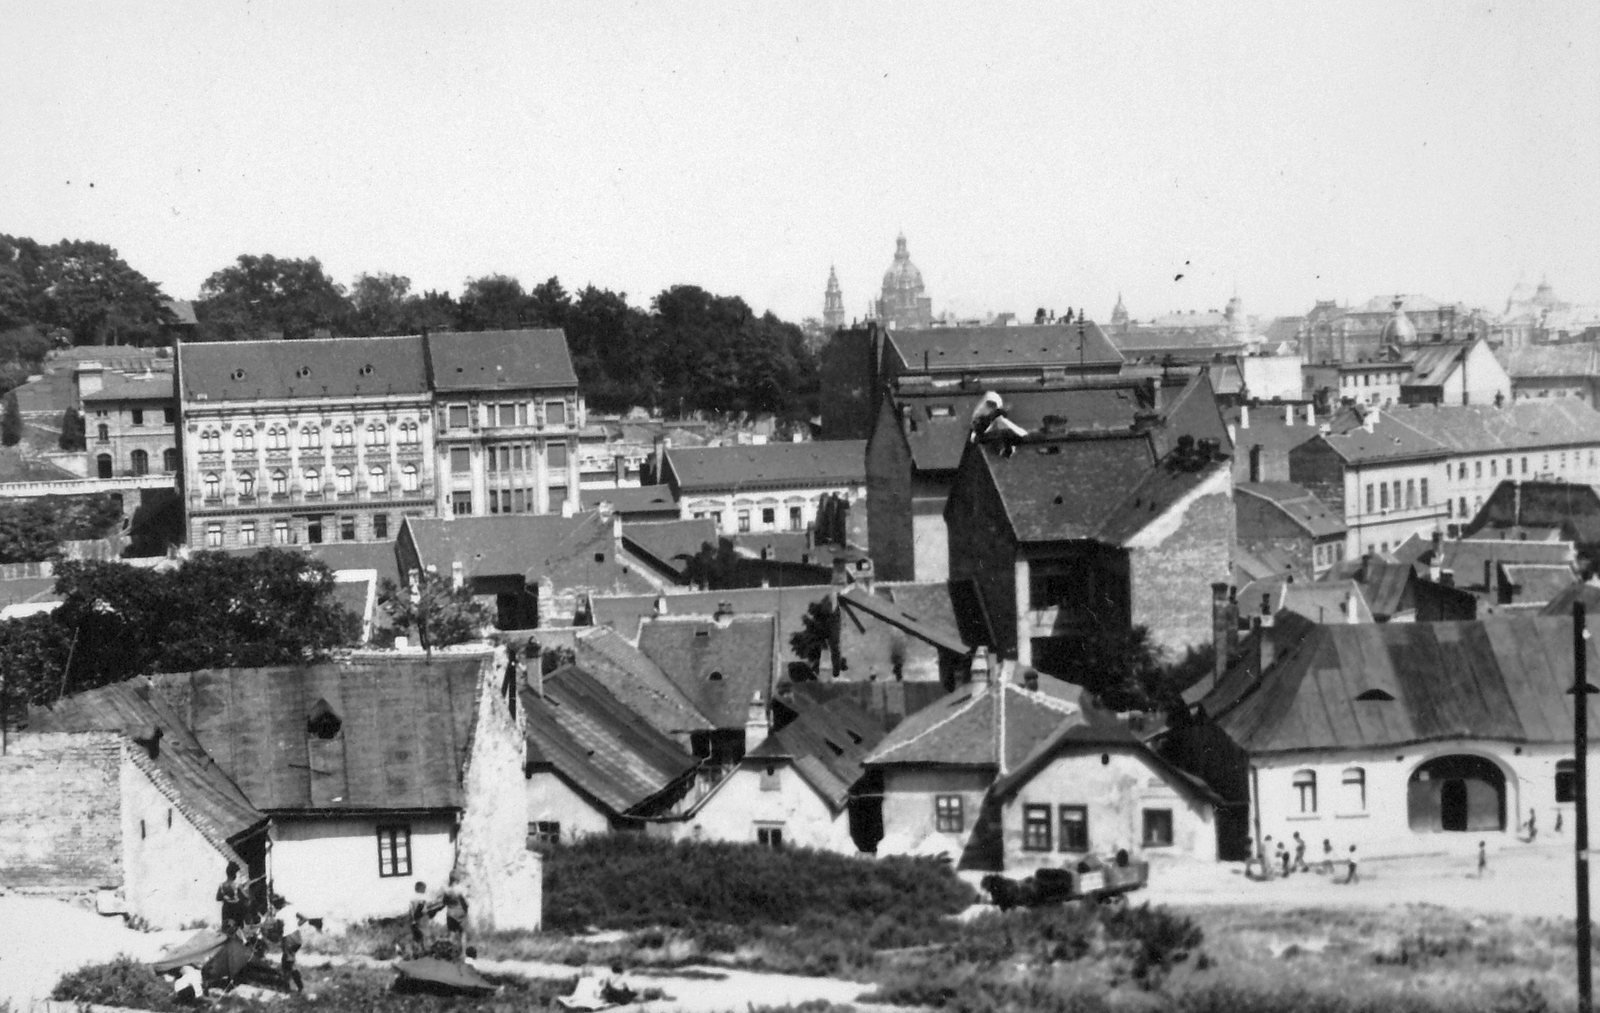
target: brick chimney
<point>757,722</point>
<point>1311,414</point>
<point>1436,560</point>
<point>1244,416</point>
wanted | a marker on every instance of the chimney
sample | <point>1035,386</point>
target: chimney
<point>1222,627</point>
<point>841,571</point>
<point>1488,577</point>
<point>723,616</point>
<point>1369,421</point>
<point>1350,614</point>
<point>1516,501</point>
<point>91,378</point>
<point>1030,679</point>
<point>1436,561</point>
<point>1311,414</point>
<point>1288,414</point>
<point>757,723</point>
<point>1266,609</point>
<point>661,605</point>
<point>1244,416</point>
<point>1255,462</point>
<point>457,575</point>
<point>1266,650</point>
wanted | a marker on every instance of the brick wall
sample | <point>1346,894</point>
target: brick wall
<point>61,811</point>
<point>1174,562</point>
<point>889,526</point>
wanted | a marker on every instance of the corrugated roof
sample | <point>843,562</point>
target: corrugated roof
<point>307,368</point>
<point>826,742</point>
<point>963,729</point>
<point>405,726</point>
<point>597,743</point>
<point>818,463</point>
<point>500,360</point>
<point>630,676</point>
<point>1499,678</point>
<point>938,349</point>
<point>720,668</point>
<point>1298,504</point>
<point>212,801</point>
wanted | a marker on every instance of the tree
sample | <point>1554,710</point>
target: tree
<point>439,613</point>
<point>816,633</point>
<point>74,431</point>
<point>11,422</point>
<point>379,302</point>
<point>94,293</point>
<point>1126,670</point>
<point>494,302</point>
<point>267,296</point>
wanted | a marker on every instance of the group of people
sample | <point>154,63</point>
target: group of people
<point>1287,858</point>
<point>279,924</point>
<point>453,902</point>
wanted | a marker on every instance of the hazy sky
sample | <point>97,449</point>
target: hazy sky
<point>1046,155</point>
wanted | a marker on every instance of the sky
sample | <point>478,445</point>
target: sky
<point>1038,155</point>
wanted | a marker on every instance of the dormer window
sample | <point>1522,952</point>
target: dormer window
<point>715,676</point>
<point>322,721</point>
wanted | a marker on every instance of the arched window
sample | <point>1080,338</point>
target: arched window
<point>247,483</point>
<point>344,480</point>
<point>277,438</point>
<point>408,432</point>
<point>310,438</point>
<point>1353,790</point>
<point>244,438</point>
<point>169,460</point>
<point>140,461</point>
<point>409,478</point>
<point>102,465</point>
<point>313,478</point>
<point>344,436</point>
<point>377,435</point>
<point>212,482</point>
<point>211,442</point>
<point>378,478</point>
<point>1305,790</point>
<point>280,482</point>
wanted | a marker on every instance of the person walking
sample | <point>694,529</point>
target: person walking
<point>420,911</point>
<point>1283,859</point>
<point>1300,854</point>
<point>283,928</point>
<point>1353,876</point>
<point>1327,857</point>
<point>1483,859</point>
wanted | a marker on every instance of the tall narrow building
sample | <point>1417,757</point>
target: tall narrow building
<point>833,304</point>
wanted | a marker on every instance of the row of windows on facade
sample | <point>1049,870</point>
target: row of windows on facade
<point>1379,495</point>
<point>512,457</point>
<point>135,418</point>
<point>284,534</point>
<point>1058,828</point>
<point>344,481</point>
<point>277,438</point>
<point>459,416</point>
<point>138,463</point>
<point>769,518</point>
<point>1353,788</point>
<point>1327,554</point>
<point>509,501</point>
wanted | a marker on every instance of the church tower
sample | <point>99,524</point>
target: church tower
<point>903,303</point>
<point>1119,315</point>
<point>832,304</point>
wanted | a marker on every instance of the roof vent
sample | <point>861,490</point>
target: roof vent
<point>303,372</point>
<point>715,676</point>
<point>238,374</point>
<point>322,721</point>
<point>1375,694</point>
<point>366,370</point>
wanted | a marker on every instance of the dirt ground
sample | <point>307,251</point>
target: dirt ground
<point>40,940</point>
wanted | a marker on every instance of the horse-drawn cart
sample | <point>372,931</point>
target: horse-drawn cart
<point>1090,880</point>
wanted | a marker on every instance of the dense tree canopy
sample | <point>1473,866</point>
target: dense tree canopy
<point>433,610</point>
<point>82,287</point>
<point>267,296</point>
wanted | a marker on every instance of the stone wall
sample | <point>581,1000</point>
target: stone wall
<point>1174,561</point>
<point>60,811</point>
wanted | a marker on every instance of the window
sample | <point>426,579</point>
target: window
<point>280,532</point>
<point>377,435</point>
<point>394,851</point>
<point>344,480</point>
<point>169,415</point>
<point>347,528</point>
<point>103,435</point>
<point>544,832</point>
<point>380,526</point>
<point>1158,828</point>
<point>1524,465</point>
<point>247,484</point>
<point>137,416</point>
<point>408,478</point>
<point>555,413</point>
<point>244,438</point>
<point>461,503</point>
<point>1422,487</point>
<point>769,778</point>
<point>214,535</point>
<point>247,532</point>
<point>744,520</point>
<point>378,479</point>
<point>1074,828</point>
<point>1370,507</point>
<point>769,515</point>
<point>1353,790</point>
<point>408,435</point>
<point>459,416</point>
<point>795,523</point>
<point>948,817</point>
<point>460,460</point>
<point>310,438</point>
<point>1494,468</point>
<point>211,481</point>
<point>1449,508</point>
<point>1383,495</point>
<point>1461,471</point>
<point>140,460</point>
<point>169,460</point>
<point>556,455</point>
<point>1035,828</point>
<point>313,477</point>
<point>210,442</point>
<point>770,837</point>
<point>1464,514</point>
<point>1477,469</point>
<point>1566,781</point>
<point>1397,494</point>
<point>314,530</point>
<point>1305,790</point>
<point>1411,493</point>
<point>558,498</point>
<point>508,414</point>
<point>277,438</point>
<point>280,482</point>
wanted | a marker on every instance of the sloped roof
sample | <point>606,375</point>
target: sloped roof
<point>670,544</point>
<point>207,795</point>
<point>1095,730</point>
<point>139,387</point>
<point>1323,601</point>
<point>599,744</point>
<point>1587,592</point>
<point>405,728</point>
<point>1528,361</point>
<point>638,682</point>
<point>1432,364</point>
<point>720,668</point>
<point>1572,507</point>
<point>572,551</point>
<point>1298,504</point>
<point>888,701</point>
<point>1434,430</point>
<point>963,729</point>
<point>271,370</point>
<point>1504,677</point>
<point>644,499</point>
<point>500,360</point>
<point>928,631</point>
<point>937,349</point>
<point>21,590</point>
<point>1539,583</point>
<point>376,556</point>
<point>769,465</point>
<point>826,742</point>
<point>952,605</point>
<point>626,613</point>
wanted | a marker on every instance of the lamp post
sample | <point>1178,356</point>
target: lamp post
<point>1580,743</point>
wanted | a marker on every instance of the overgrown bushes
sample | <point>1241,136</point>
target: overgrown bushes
<point>121,982</point>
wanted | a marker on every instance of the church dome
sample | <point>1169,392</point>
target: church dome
<point>1398,329</point>
<point>902,274</point>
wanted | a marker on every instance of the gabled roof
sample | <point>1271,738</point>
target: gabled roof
<point>990,725</point>
<point>211,800</point>
<point>1505,678</point>
<point>956,349</point>
<point>769,465</point>
<point>271,370</point>
<point>500,360</point>
<point>1432,364</point>
<point>1298,504</point>
<point>826,742</point>
<point>627,613</point>
<point>404,728</point>
<point>720,667</point>
<point>944,638</point>
<point>1323,601</point>
<point>1572,507</point>
<point>639,683</point>
<point>1423,431</point>
<point>1095,731</point>
<point>502,544</point>
<point>138,387</point>
<point>599,744</point>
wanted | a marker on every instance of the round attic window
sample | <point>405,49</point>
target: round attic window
<point>366,370</point>
<point>238,374</point>
<point>303,372</point>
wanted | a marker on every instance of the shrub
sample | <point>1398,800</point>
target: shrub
<point>121,982</point>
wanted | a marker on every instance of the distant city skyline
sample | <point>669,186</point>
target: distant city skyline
<point>1049,156</point>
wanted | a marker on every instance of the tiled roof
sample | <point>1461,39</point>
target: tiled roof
<point>639,683</point>
<point>626,613</point>
<point>1437,430</point>
<point>207,795</point>
<point>670,545</point>
<point>1431,365</point>
<point>720,668</point>
<point>644,499</point>
<point>928,630</point>
<point>940,349</point>
<point>1298,504</point>
<point>405,726</point>
<point>500,360</point>
<point>139,387</point>
<point>770,465</point>
<point>1502,678</point>
<point>1095,731</point>
<point>964,730</point>
<point>497,545</point>
<point>826,742</point>
<point>1528,361</point>
<point>271,370</point>
<point>597,743</point>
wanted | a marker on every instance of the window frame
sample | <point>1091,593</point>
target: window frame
<point>949,814</point>
<point>1304,783</point>
<point>1566,782</point>
<point>1353,776</point>
<point>1036,829</point>
<point>1150,835</point>
<point>1062,823</point>
<point>394,850</point>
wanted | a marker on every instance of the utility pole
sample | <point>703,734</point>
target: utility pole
<point>1580,743</point>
